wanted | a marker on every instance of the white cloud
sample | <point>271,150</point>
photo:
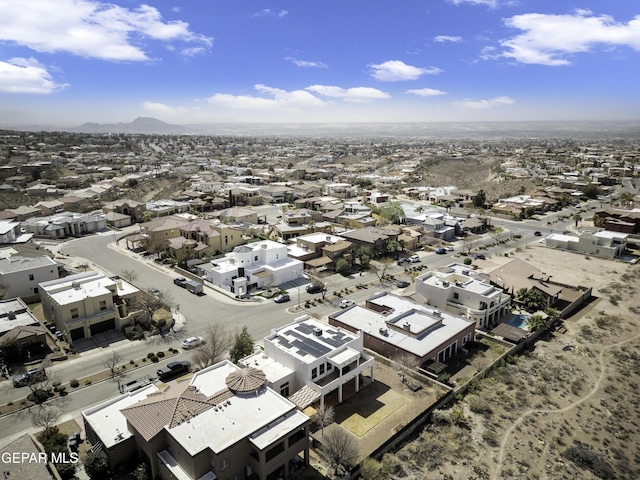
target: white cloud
<point>488,3</point>
<point>163,109</point>
<point>26,75</point>
<point>274,98</point>
<point>426,92</point>
<point>551,39</point>
<point>267,12</point>
<point>396,70</point>
<point>484,104</point>
<point>89,28</point>
<point>306,63</point>
<point>355,94</point>
<point>447,38</point>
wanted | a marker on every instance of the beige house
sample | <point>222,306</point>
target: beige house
<point>223,424</point>
<point>89,303</point>
<point>457,289</point>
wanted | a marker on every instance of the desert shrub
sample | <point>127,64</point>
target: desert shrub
<point>38,396</point>
<point>479,405</point>
<point>150,354</point>
<point>154,359</point>
<point>74,383</point>
<point>585,458</point>
<point>160,354</point>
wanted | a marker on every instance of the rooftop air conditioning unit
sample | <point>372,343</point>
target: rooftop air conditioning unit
<point>317,332</point>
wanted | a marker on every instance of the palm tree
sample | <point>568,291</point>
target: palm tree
<point>577,218</point>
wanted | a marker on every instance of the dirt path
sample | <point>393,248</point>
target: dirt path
<point>521,418</point>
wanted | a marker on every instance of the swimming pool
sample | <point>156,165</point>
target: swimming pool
<point>519,321</point>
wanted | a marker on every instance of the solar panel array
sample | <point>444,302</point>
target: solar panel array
<point>302,338</point>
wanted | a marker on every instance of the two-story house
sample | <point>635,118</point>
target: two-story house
<point>456,289</point>
<point>89,303</point>
<point>307,361</point>
<point>223,424</point>
<point>20,276</point>
<point>255,265</point>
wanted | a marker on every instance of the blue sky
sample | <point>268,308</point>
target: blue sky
<point>67,62</point>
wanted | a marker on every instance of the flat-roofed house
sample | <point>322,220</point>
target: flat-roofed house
<point>88,303</point>
<point>307,360</point>
<point>395,326</point>
<point>457,289</point>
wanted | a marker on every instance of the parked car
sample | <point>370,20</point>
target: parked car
<point>401,261</point>
<point>180,281</point>
<point>29,377</point>
<point>440,251</point>
<point>480,256</point>
<point>283,297</point>
<point>402,284</point>
<point>537,234</point>
<point>346,303</point>
<point>192,342</point>
<point>173,369</point>
<point>314,288</point>
<point>449,249</point>
<point>413,259</point>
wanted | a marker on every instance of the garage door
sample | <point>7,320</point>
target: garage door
<point>77,333</point>
<point>103,326</point>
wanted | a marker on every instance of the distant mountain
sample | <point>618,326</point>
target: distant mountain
<point>142,125</point>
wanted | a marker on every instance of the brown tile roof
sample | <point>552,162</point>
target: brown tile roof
<point>171,407</point>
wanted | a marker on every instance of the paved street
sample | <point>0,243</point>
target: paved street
<point>100,252</point>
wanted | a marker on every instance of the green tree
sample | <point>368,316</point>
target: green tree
<point>97,465</point>
<point>363,254</point>
<point>536,322</point>
<point>342,266</point>
<point>391,212</point>
<point>577,218</point>
<point>480,199</point>
<point>242,346</point>
<point>590,191</point>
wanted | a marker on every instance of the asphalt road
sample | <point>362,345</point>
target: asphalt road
<point>260,318</point>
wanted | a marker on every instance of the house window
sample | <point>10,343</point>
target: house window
<point>314,372</point>
<point>224,464</point>
<point>74,313</point>
<point>103,305</point>
<point>329,367</point>
<point>322,369</point>
<point>456,296</point>
<point>284,389</point>
<point>255,259</point>
<point>36,290</point>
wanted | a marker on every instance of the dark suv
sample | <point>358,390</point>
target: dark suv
<point>314,288</point>
<point>180,281</point>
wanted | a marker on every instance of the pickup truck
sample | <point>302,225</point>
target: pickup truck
<point>173,369</point>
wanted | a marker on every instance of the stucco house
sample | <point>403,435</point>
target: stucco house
<point>224,423</point>
<point>251,266</point>
<point>307,360</point>
<point>89,303</point>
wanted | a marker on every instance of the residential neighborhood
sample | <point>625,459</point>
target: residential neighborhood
<point>310,288</point>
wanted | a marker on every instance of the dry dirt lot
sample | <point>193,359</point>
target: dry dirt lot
<point>566,409</point>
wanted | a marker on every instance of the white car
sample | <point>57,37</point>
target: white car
<point>192,342</point>
<point>346,303</point>
<point>449,249</point>
<point>414,259</point>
